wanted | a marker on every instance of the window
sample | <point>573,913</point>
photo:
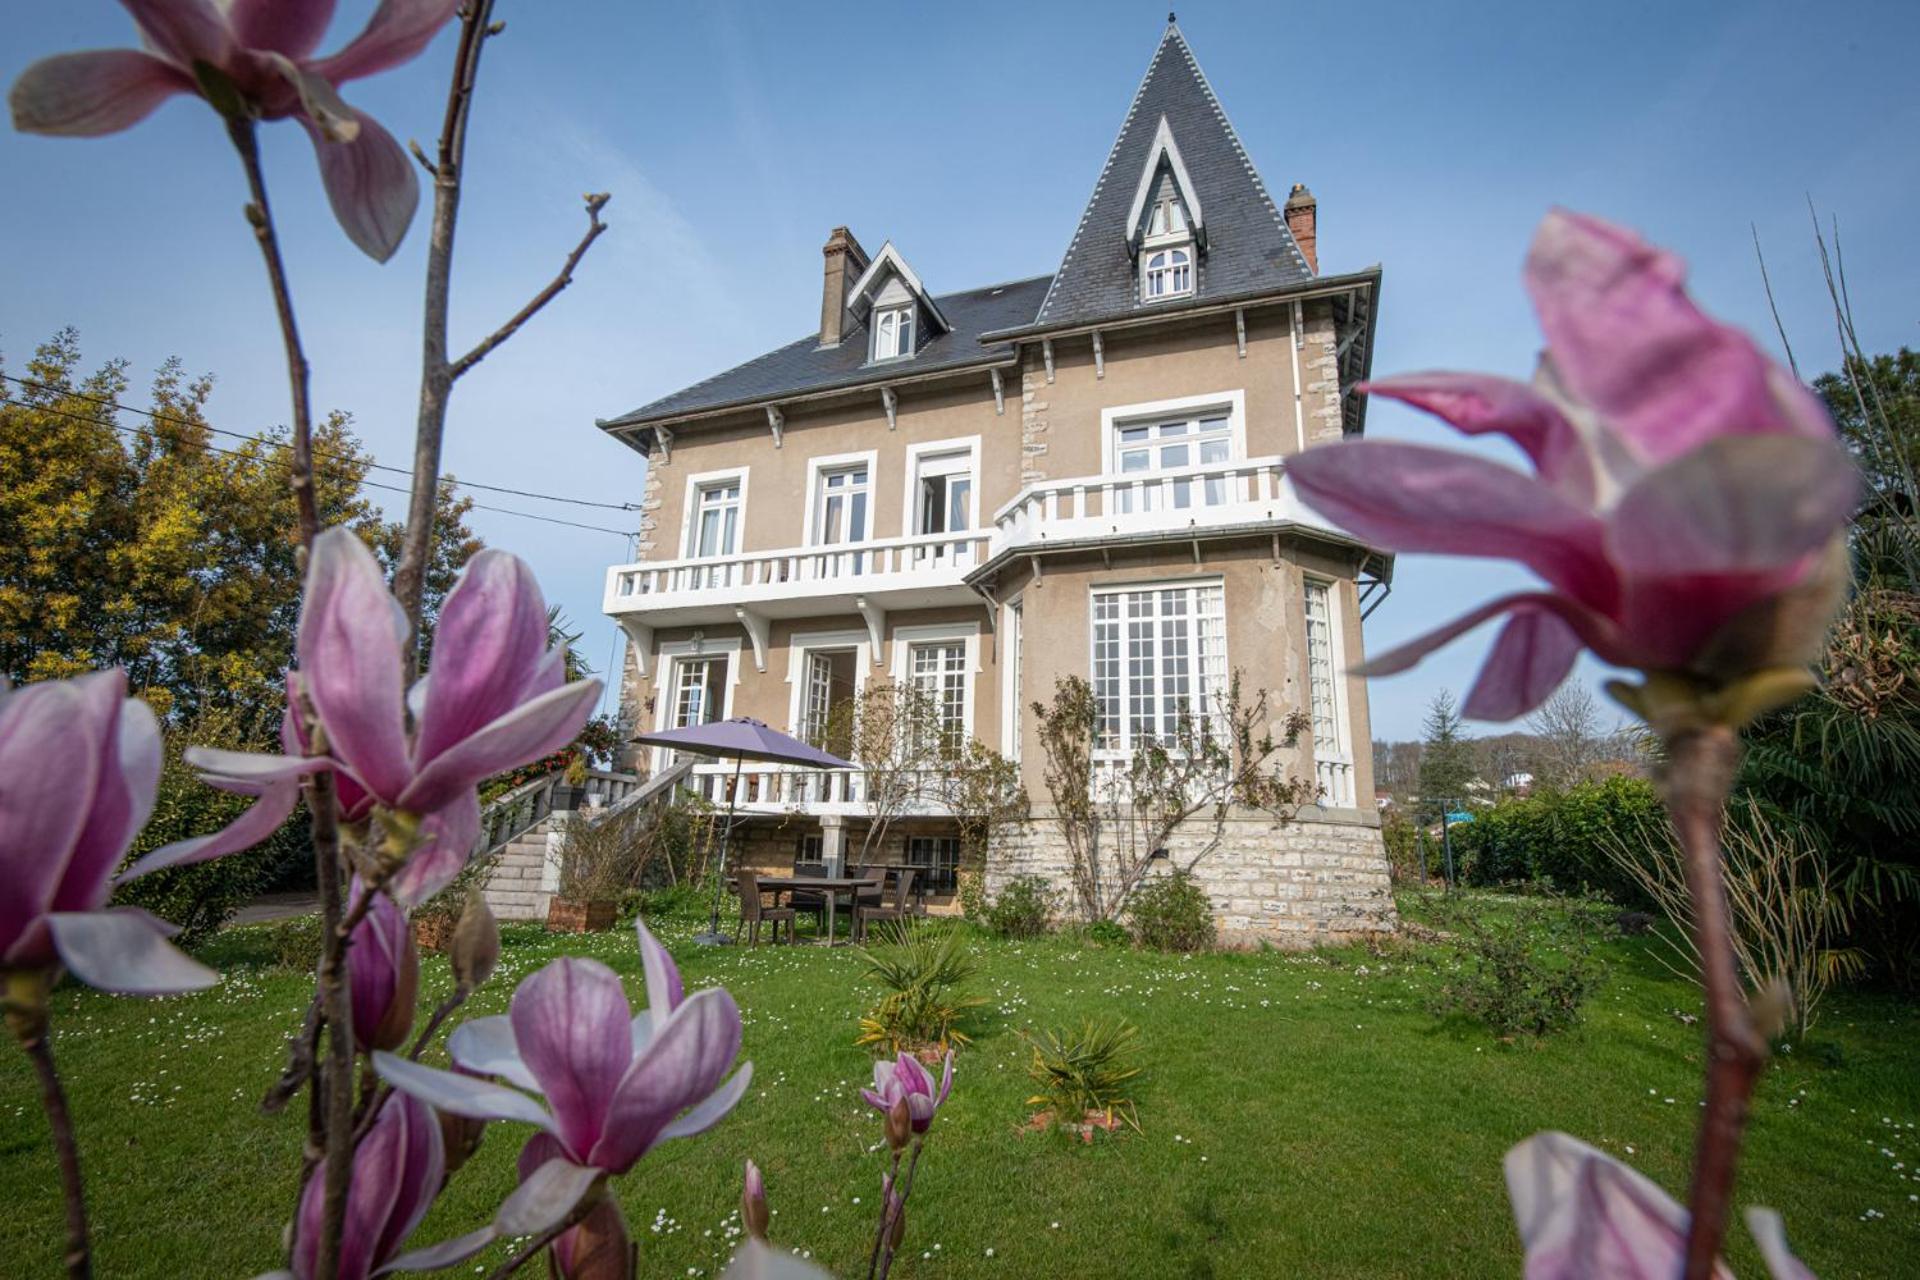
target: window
<point>940,499</point>
<point>1015,641</point>
<point>937,671</point>
<point>1144,448</point>
<point>840,505</point>
<point>940,856</point>
<point>1169,218</point>
<point>893,333</point>
<point>1323,697</point>
<point>699,691</point>
<point>809,851</point>
<point>1168,273</point>
<point>827,707</point>
<point>1159,654</point>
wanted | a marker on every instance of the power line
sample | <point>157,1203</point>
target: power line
<point>107,403</point>
<point>370,484</point>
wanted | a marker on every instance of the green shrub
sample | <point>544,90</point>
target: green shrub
<point>921,968</point>
<point>295,944</point>
<point>1172,913</point>
<point>201,897</point>
<point>1082,1074</point>
<point>1527,967</point>
<point>1023,908</point>
<point>1562,838</point>
<point>1109,933</point>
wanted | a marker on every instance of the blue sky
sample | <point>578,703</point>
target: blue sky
<point>733,136</point>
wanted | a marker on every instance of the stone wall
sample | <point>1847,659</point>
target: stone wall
<point>1317,879</point>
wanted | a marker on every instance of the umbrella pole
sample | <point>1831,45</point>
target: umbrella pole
<point>713,937</point>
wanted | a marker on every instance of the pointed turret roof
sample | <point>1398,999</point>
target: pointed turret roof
<point>1247,245</point>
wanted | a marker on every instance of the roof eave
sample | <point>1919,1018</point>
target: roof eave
<point>1318,286</point>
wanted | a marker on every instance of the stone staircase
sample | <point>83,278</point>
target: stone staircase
<point>524,832</point>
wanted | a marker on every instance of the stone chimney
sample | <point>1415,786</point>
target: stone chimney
<point>845,261</point>
<point>1300,221</point>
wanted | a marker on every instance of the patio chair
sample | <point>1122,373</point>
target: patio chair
<point>893,906</point>
<point>810,901</point>
<point>754,913</point>
<point>870,893</point>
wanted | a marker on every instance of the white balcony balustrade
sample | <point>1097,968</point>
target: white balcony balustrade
<point>1250,491</point>
<point>777,789</point>
<point>1335,778</point>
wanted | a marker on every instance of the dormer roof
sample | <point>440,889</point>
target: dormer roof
<point>887,265</point>
<point>1163,157</point>
<point>1176,125</point>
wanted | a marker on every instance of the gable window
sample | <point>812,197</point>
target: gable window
<point>1159,657</point>
<point>892,333</point>
<point>1166,273</point>
<point>1169,218</point>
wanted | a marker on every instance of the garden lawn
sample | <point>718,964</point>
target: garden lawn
<point>1303,1115</point>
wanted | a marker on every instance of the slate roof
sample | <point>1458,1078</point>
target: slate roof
<point>805,366</point>
<point>1249,249</point>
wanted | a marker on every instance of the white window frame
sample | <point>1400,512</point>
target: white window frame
<point>910,490</point>
<point>1336,665</point>
<point>899,313</point>
<point>817,466</point>
<point>1124,752</point>
<point>1148,253</point>
<point>1012,629</point>
<point>1132,415</point>
<point>800,644</point>
<point>690,519</point>
<point>666,685</point>
<point>904,638</point>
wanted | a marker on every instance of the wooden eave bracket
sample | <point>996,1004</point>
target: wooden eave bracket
<point>757,629</point>
<point>777,421</point>
<point>891,403</point>
<point>876,619</point>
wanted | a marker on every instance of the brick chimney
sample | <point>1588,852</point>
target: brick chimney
<point>845,261</point>
<point>1300,221</point>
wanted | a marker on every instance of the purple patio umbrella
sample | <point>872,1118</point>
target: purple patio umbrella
<point>739,740</point>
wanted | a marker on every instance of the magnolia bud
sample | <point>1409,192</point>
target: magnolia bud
<point>753,1202</point>
<point>899,1125</point>
<point>460,1136</point>
<point>897,1209</point>
<point>600,1248</point>
<point>475,948</point>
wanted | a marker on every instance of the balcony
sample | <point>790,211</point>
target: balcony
<point>775,789</point>
<point>1102,508</point>
<point>930,570</point>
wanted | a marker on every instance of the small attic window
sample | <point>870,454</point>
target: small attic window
<point>1165,273</point>
<point>1168,220</point>
<point>892,332</point>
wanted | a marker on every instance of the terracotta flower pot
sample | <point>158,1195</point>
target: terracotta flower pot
<point>433,933</point>
<point>581,915</point>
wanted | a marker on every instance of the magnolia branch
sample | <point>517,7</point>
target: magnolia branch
<point>485,346</point>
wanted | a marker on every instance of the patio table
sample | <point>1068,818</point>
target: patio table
<point>831,886</point>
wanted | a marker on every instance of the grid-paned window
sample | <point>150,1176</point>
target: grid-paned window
<point>1322,689</point>
<point>699,691</point>
<point>1159,654</point>
<point>939,858</point>
<point>1167,274</point>
<point>938,672</point>
<point>716,529</point>
<point>1140,449</point>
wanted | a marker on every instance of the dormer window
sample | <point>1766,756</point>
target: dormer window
<point>1168,219</point>
<point>892,332</point>
<point>1165,273</point>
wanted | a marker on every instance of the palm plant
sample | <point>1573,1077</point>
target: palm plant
<point>1082,1073</point>
<point>920,967</point>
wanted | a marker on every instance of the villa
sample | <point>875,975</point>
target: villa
<point>979,492</point>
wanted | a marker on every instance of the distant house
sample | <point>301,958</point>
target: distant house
<point>981,492</point>
<point>1519,784</point>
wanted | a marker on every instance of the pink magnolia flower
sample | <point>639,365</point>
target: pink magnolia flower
<point>617,1084</point>
<point>1686,498</point>
<point>495,698</point>
<point>1585,1216</point>
<point>598,1247</point>
<point>398,1169</point>
<point>264,50</point>
<point>79,765</point>
<point>905,1077</point>
<point>383,973</point>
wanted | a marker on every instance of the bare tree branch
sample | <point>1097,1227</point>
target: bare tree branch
<point>595,203</point>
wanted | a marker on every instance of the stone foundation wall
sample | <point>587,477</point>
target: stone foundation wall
<point>1319,879</point>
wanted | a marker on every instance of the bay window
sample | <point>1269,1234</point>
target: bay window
<point>1159,657</point>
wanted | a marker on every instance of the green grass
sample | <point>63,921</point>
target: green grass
<point>1303,1115</point>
